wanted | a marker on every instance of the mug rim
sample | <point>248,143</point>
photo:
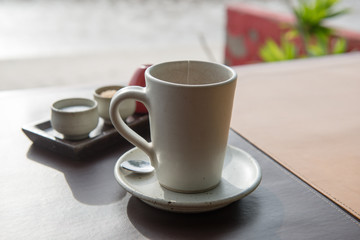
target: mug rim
<point>232,78</point>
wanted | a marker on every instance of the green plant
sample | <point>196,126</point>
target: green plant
<point>272,52</point>
<point>316,37</point>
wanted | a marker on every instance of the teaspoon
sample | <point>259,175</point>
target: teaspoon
<point>137,166</point>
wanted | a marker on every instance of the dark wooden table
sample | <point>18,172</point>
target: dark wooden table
<point>44,195</point>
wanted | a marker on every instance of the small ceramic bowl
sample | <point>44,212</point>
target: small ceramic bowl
<point>103,97</point>
<point>75,118</point>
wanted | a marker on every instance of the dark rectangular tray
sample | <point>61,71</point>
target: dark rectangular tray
<point>103,136</point>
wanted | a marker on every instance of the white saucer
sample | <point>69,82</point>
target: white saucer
<point>241,175</point>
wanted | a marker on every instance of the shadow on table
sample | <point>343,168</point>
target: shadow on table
<point>91,180</point>
<point>257,216</point>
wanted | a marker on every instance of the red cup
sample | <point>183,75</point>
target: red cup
<point>138,79</point>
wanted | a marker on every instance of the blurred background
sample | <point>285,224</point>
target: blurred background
<point>70,42</point>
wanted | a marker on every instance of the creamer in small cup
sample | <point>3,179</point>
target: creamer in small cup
<point>190,105</point>
<point>75,118</point>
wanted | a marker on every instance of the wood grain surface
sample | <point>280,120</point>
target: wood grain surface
<point>306,115</point>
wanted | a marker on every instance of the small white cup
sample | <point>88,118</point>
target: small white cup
<point>75,118</point>
<point>103,97</point>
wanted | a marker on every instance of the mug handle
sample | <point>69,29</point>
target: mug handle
<point>139,94</point>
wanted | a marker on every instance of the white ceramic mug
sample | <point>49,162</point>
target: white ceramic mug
<point>190,105</point>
